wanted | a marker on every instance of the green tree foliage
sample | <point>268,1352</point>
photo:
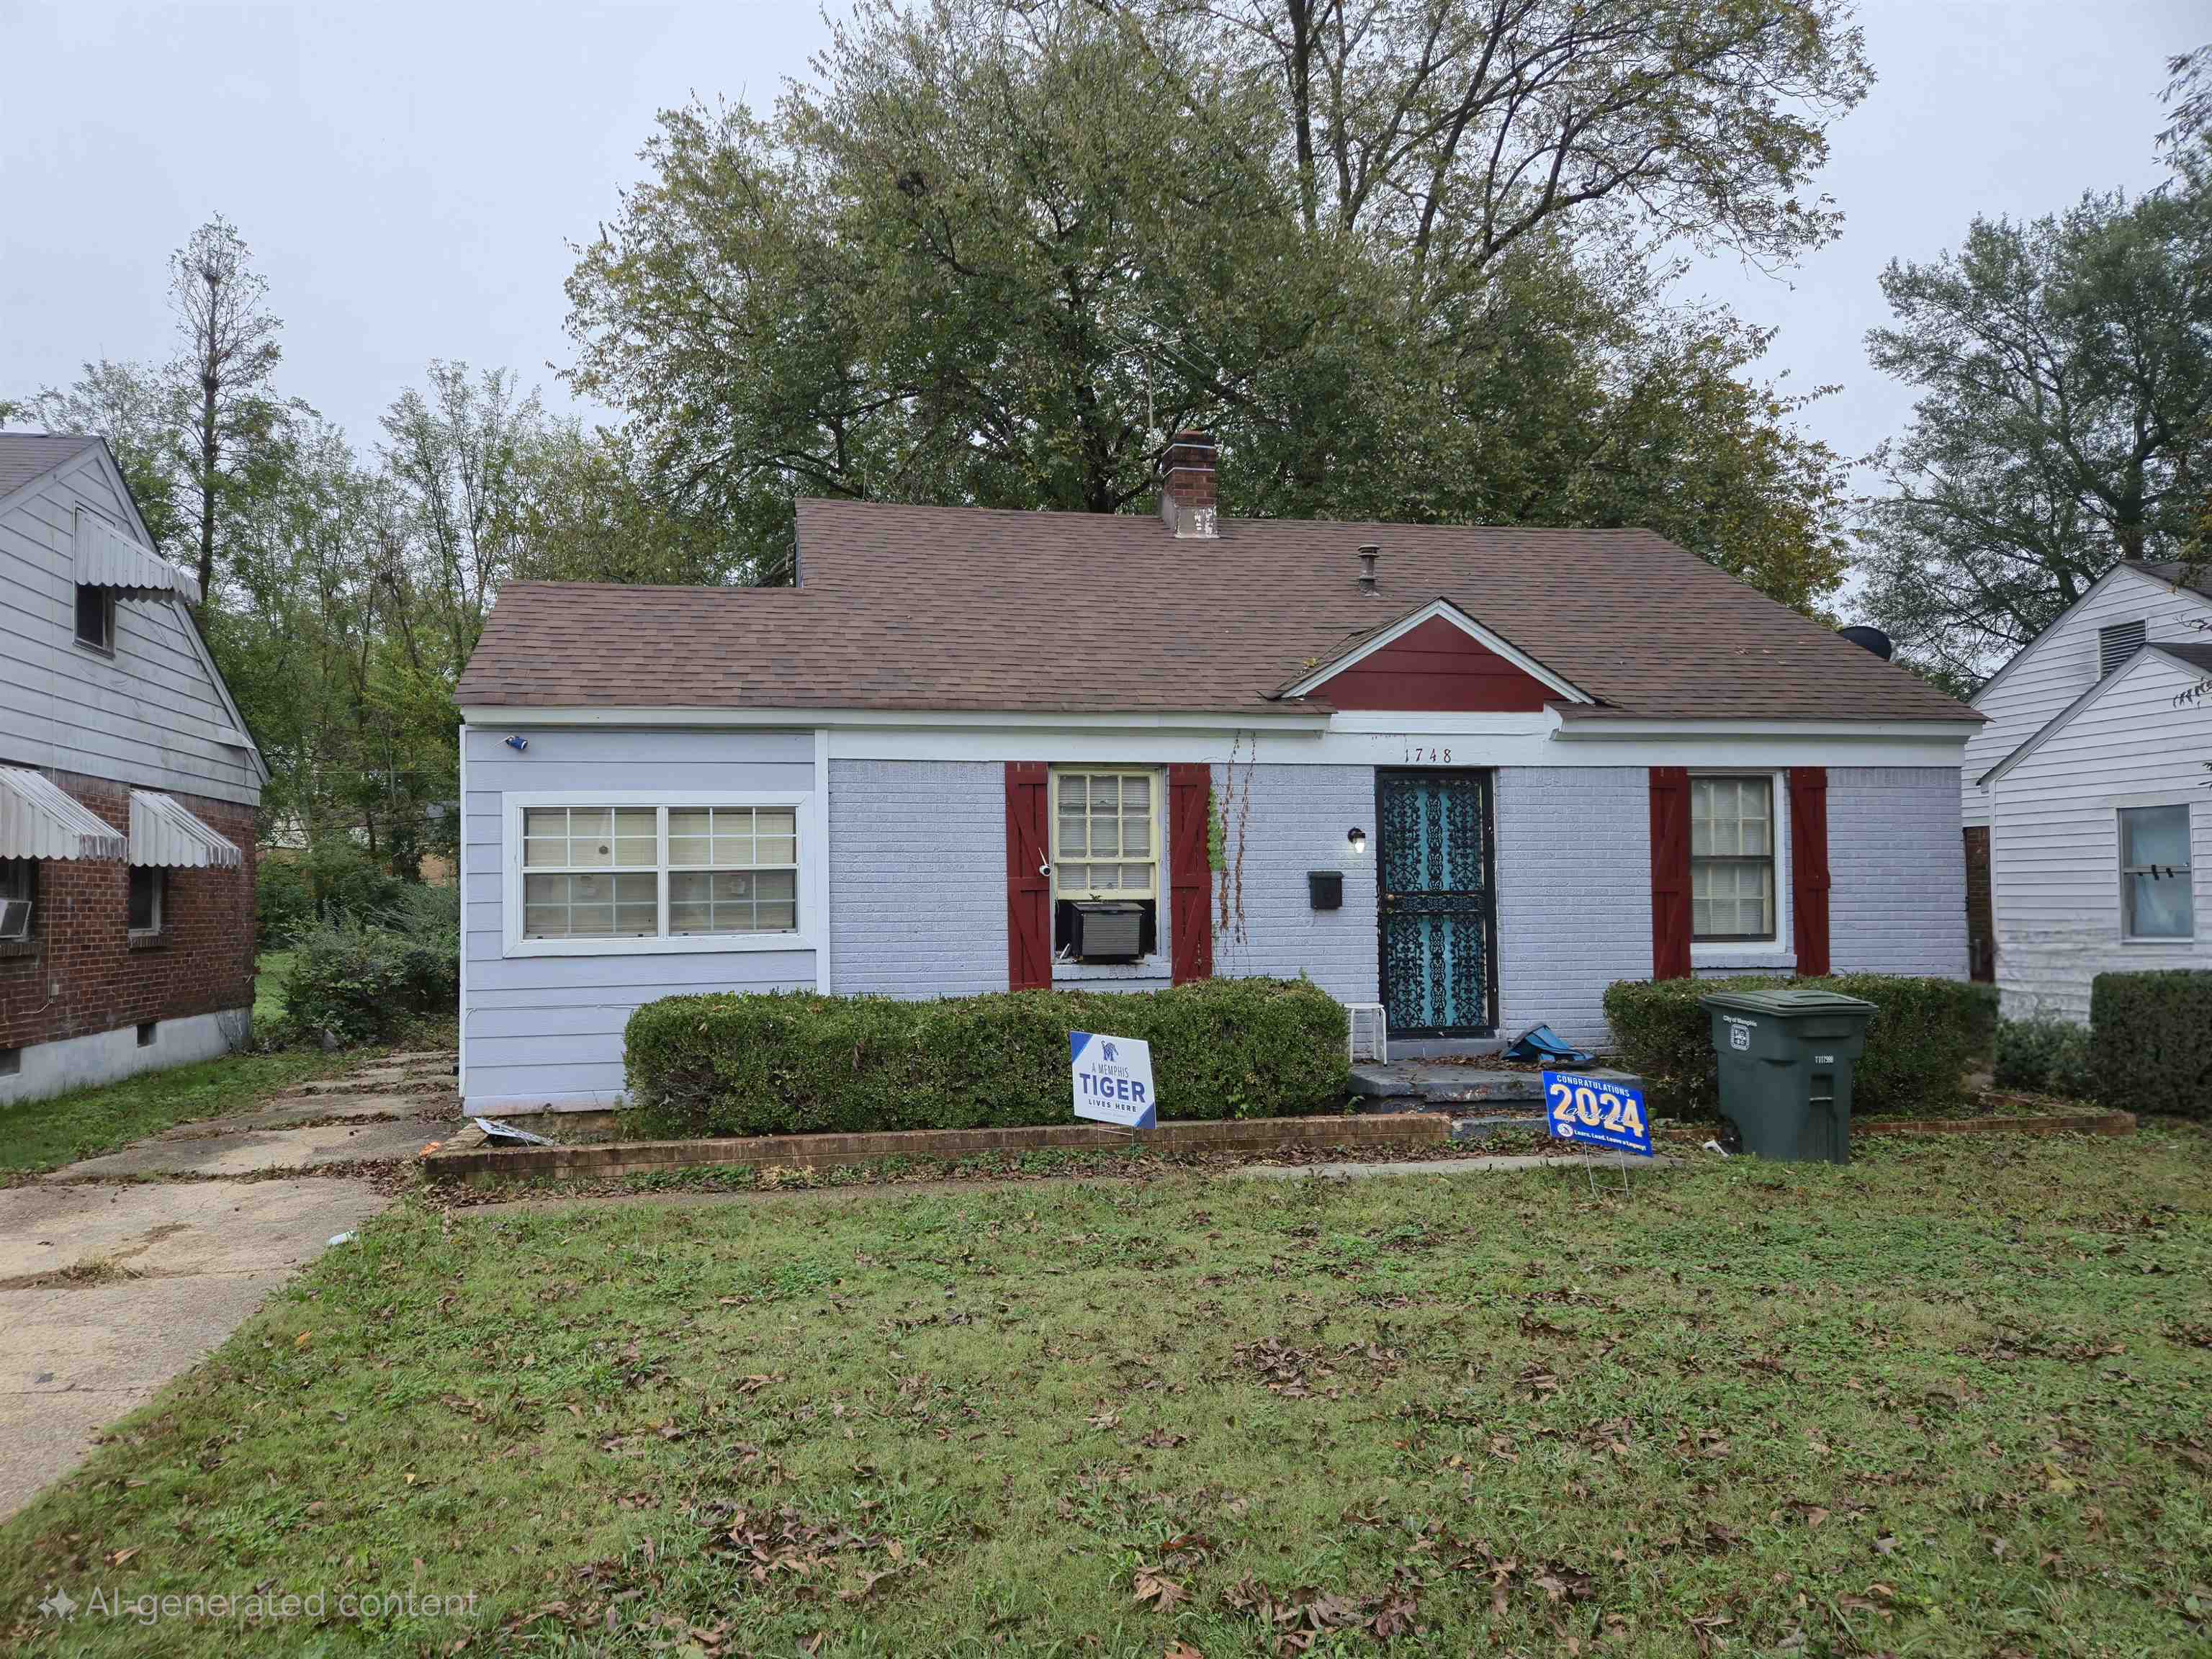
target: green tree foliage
<point>2065,367</point>
<point>998,254</point>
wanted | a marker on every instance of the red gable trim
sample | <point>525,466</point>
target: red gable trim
<point>1436,658</point>
<point>1437,666</point>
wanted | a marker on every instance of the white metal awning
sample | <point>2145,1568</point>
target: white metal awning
<point>106,557</point>
<point>164,833</point>
<point>37,821</point>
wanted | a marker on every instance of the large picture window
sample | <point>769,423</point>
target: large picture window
<point>1732,857</point>
<point>2156,900</point>
<point>618,873</point>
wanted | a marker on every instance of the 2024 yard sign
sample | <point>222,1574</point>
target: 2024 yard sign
<point>1598,1111</point>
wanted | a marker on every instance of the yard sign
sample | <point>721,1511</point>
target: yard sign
<point>1112,1079</point>
<point>1598,1111</point>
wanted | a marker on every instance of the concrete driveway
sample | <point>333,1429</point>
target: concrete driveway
<point>110,1288</point>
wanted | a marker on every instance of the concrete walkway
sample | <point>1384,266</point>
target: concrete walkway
<point>109,1288</point>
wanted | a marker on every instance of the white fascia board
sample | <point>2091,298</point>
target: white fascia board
<point>1494,642</point>
<point>1602,730</point>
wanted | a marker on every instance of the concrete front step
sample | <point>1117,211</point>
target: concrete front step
<point>1436,1083</point>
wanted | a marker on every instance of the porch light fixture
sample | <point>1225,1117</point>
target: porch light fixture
<point>1358,837</point>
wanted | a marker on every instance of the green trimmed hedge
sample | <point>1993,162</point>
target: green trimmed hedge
<point>2051,1055</point>
<point>2150,1041</point>
<point>1923,1035</point>
<point>792,1062</point>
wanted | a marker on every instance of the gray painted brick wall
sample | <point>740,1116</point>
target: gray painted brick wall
<point>918,877</point>
<point>1897,868</point>
<point>1299,820</point>
<point>1574,894</point>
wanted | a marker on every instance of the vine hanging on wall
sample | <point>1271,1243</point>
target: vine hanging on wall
<point>1224,850</point>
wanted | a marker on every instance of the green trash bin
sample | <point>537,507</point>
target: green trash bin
<point>1786,1058</point>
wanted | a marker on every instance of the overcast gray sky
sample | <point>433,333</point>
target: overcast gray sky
<point>409,174</point>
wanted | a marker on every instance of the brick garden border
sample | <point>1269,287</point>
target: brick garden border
<point>1251,1136</point>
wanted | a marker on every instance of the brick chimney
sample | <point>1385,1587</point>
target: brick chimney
<point>1187,504</point>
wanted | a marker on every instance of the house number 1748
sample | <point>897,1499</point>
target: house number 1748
<point>1417,755</point>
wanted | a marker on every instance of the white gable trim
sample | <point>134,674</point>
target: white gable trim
<point>2059,620</point>
<point>1495,643</point>
<point>2058,722</point>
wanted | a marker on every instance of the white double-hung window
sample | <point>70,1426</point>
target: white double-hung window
<point>616,875</point>
<point>2156,877</point>
<point>1732,857</point>
<point>1105,835</point>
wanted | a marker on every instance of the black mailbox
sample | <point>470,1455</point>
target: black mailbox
<point>1326,888</point>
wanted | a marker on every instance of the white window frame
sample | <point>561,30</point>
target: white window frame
<point>1779,950</point>
<point>1157,780</point>
<point>812,872</point>
<point>2122,870</point>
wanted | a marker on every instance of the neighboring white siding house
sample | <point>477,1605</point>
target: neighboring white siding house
<point>2126,752</point>
<point>2064,661</point>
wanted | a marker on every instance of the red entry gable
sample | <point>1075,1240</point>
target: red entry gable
<point>1439,667</point>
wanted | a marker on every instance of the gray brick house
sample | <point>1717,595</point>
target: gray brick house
<point>1472,775</point>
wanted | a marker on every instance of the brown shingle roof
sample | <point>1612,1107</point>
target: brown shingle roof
<point>2195,576</point>
<point>953,608</point>
<point>26,456</point>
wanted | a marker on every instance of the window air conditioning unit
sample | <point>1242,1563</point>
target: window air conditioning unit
<point>14,920</point>
<point>1108,933</point>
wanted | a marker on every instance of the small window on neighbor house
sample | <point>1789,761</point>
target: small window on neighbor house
<point>95,617</point>
<point>1732,857</point>
<point>11,1061</point>
<point>2155,898</point>
<point>2115,644</point>
<point>147,1031</point>
<point>19,888</point>
<point>144,907</point>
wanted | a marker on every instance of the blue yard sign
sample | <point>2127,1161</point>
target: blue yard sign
<point>1598,1111</point>
<point>1112,1079</point>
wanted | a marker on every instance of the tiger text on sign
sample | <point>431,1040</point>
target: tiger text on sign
<point>1598,1111</point>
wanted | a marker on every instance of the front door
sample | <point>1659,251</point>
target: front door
<point>1438,919</point>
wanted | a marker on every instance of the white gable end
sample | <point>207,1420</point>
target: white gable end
<point>2047,675</point>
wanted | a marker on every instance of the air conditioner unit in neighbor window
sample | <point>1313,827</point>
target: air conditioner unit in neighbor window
<point>14,920</point>
<point>1108,932</point>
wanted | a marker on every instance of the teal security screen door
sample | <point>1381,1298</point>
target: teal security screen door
<point>1437,911</point>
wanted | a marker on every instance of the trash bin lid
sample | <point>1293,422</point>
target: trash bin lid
<point>1784,1002</point>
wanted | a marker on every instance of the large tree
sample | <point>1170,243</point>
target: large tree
<point>2065,369</point>
<point>999,253</point>
<point>229,357</point>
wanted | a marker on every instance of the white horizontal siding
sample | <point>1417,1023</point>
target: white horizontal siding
<point>2063,665</point>
<point>2054,841</point>
<point>150,715</point>
<point>549,1028</point>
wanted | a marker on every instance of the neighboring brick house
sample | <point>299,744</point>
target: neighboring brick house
<point>128,791</point>
<point>1472,774</point>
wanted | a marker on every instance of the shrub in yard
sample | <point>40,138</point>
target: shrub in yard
<point>2150,1041</point>
<point>2052,1055</point>
<point>365,984</point>
<point>795,1063</point>
<point>1921,1035</point>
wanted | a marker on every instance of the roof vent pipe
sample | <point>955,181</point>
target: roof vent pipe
<point>1368,555</point>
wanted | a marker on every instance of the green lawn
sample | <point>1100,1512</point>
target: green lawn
<point>1955,1399</point>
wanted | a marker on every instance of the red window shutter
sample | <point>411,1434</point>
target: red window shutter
<point>1190,876</point>
<point>1808,867</point>
<point>1029,889</point>
<point>1670,873</point>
